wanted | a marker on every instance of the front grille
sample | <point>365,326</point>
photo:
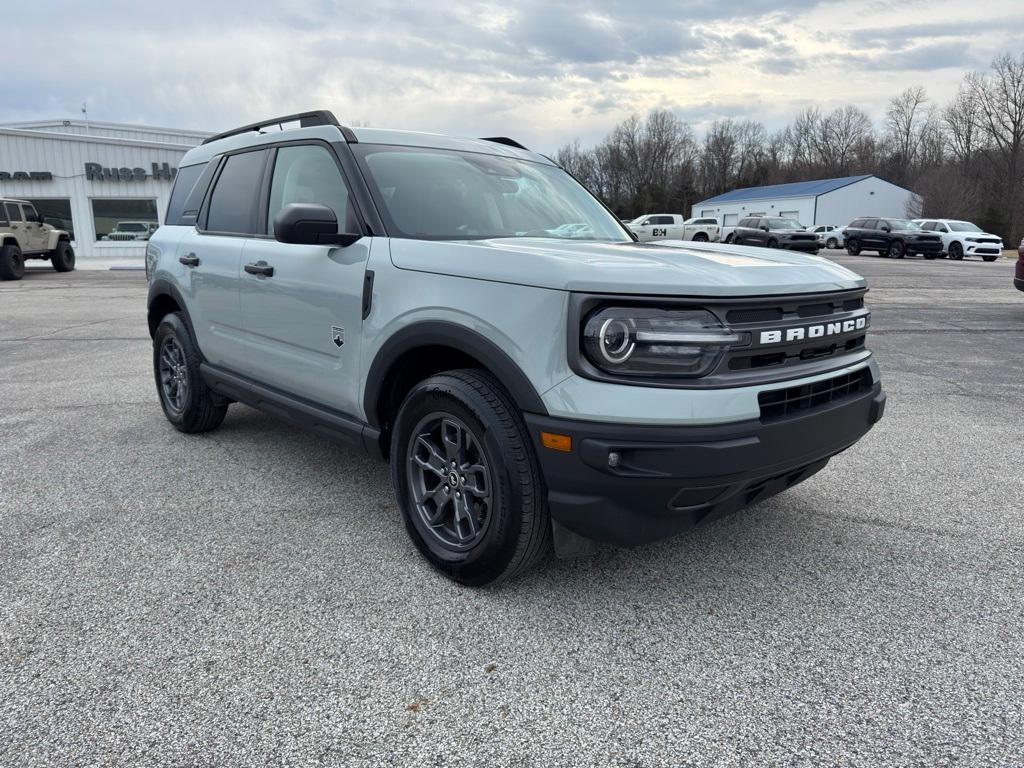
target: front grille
<point>817,309</point>
<point>779,403</point>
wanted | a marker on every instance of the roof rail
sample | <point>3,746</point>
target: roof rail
<point>305,120</point>
<point>504,140</point>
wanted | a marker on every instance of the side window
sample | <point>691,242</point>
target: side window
<point>30,213</point>
<point>309,174</point>
<point>233,202</point>
<point>3,216</point>
<point>941,228</point>
<point>13,212</point>
<point>184,181</point>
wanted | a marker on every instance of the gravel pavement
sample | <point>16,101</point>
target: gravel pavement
<point>249,597</point>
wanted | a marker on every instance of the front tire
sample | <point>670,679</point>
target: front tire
<point>63,257</point>
<point>897,249</point>
<point>12,263</point>
<point>467,480</point>
<point>832,243</point>
<point>853,247</point>
<point>990,258</point>
<point>188,403</point>
<point>956,251</point>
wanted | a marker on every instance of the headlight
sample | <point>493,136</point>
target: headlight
<point>971,239</point>
<point>656,343</point>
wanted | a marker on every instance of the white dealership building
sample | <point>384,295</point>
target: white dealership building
<point>107,183</point>
<point>825,201</point>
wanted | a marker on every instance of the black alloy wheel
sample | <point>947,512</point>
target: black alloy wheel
<point>450,480</point>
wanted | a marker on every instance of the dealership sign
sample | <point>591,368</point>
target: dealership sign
<point>161,172</point>
<point>96,172</point>
<point>26,176</point>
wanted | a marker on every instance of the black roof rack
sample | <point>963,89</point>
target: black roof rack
<point>305,120</point>
<point>504,140</point>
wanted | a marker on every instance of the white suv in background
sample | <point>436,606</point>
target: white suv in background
<point>962,238</point>
<point>829,236</point>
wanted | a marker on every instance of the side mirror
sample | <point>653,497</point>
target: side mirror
<point>764,227</point>
<point>886,229</point>
<point>310,224</point>
<point>40,218</point>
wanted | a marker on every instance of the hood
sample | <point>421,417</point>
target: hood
<point>664,268</point>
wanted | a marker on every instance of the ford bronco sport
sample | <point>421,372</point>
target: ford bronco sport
<point>24,234</point>
<point>466,310</point>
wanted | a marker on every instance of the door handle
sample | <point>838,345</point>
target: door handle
<point>260,268</point>
<point>189,260</point>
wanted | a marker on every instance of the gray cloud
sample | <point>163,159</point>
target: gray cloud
<point>545,71</point>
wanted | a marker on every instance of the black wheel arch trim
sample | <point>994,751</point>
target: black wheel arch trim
<point>459,337</point>
<point>161,287</point>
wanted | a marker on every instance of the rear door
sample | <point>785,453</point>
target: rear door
<point>211,258</point>
<point>303,322</point>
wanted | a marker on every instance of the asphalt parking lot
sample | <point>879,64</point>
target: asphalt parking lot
<point>250,596</point>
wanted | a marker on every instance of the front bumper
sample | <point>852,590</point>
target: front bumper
<point>924,246</point>
<point>808,246</point>
<point>669,479</point>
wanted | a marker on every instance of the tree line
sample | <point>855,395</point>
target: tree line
<point>964,158</point>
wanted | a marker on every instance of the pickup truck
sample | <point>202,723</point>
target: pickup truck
<point>671,226</point>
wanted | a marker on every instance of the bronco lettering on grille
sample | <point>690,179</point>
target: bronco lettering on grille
<point>813,331</point>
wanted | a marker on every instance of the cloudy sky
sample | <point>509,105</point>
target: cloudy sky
<point>544,71</point>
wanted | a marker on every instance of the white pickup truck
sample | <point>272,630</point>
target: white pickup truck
<point>671,226</point>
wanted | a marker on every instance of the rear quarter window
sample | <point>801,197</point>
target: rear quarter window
<point>184,182</point>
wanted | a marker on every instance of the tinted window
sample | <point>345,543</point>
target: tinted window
<point>184,181</point>
<point>869,223</point>
<point>13,212</point>
<point>309,174</point>
<point>664,220</point>
<point>3,216</point>
<point>233,202</point>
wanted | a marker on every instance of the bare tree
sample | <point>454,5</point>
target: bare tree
<point>902,119</point>
<point>1000,95</point>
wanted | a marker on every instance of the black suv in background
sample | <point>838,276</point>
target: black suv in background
<point>891,237</point>
<point>775,232</point>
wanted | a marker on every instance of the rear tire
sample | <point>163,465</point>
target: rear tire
<point>956,251</point>
<point>729,239</point>
<point>700,237</point>
<point>63,257</point>
<point>189,404</point>
<point>853,247</point>
<point>12,263</point>
<point>456,431</point>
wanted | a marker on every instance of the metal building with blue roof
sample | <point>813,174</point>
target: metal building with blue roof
<point>822,201</point>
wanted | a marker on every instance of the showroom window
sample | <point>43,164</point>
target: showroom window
<point>56,211</point>
<point>124,219</point>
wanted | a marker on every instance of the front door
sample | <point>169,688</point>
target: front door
<point>17,224</point>
<point>35,233</point>
<point>302,309</point>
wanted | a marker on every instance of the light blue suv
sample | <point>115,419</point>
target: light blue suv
<point>468,311</point>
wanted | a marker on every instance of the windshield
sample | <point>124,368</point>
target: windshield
<point>438,194</point>
<point>130,226</point>
<point>784,224</point>
<point>901,224</point>
<point>963,226</point>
